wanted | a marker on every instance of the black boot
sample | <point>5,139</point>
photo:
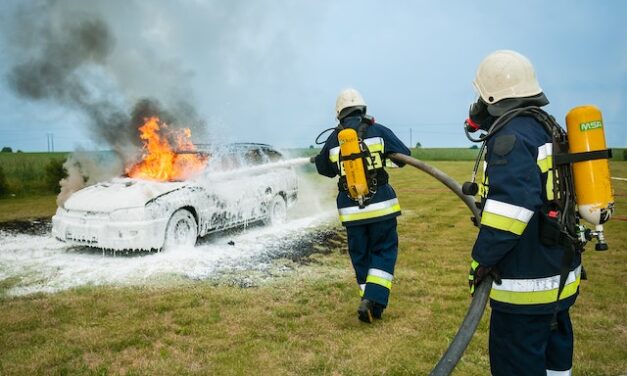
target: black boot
<point>365,311</point>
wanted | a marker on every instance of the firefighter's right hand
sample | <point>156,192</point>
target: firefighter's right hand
<point>478,273</point>
<point>312,159</point>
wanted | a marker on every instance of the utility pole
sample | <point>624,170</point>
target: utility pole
<point>50,142</point>
<point>411,141</point>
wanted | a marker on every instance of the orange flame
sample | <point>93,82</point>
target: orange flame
<point>160,161</point>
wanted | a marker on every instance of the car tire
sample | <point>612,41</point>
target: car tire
<point>181,230</point>
<point>277,211</point>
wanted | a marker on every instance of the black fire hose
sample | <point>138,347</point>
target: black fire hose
<point>456,349</point>
<point>440,176</point>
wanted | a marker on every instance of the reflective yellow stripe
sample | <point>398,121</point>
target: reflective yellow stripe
<point>483,187</point>
<point>545,164</point>
<point>377,161</point>
<point>362,289</point>
<point>503,223</point>
<point>549,185</point>
<point>534,297</point>
<point>379,281</point>
<point>370,214</point>
<point>376,148</point>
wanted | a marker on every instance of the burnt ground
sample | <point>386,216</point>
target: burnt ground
<point>37,226</point>
<point>297,248</point>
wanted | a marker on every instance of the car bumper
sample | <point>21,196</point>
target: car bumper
<point>101,232</point>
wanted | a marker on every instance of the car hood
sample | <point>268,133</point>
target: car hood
<point>119,193</point>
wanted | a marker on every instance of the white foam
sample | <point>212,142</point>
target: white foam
<point>44,264</point>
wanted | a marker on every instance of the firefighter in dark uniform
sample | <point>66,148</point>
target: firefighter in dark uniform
<point>371,230</point>
<point>530,328</point>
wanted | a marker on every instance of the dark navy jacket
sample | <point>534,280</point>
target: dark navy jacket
<point>517,178</point>
<point>380,140</point>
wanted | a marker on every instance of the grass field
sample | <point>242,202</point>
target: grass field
<point>26,172</point>
<point>305,324</point>
<point>30,207</point>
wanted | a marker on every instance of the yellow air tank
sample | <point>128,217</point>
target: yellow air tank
<point>591,178</point>
<point>353,164</point>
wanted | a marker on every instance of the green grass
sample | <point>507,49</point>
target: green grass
<point>26,172</point>
<point>448,154</point>
<point>21,208</point>
<point>305,324</point>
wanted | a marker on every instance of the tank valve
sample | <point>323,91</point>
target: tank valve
<point>600,235</point>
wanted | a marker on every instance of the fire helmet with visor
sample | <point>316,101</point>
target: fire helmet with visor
<point>505,74</point>
<point>348,101</point>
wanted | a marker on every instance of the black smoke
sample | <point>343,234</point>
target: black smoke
<point>65,60</point>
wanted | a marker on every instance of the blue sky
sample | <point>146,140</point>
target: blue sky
<point>270,70</point>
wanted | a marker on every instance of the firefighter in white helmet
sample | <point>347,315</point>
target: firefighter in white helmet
<point>530,328</point>
<point>371,222</point>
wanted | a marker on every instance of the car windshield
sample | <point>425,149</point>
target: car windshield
<point>235,156</point>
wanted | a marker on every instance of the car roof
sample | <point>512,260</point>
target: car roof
<point>236,147</point>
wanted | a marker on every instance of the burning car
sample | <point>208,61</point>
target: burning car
<point>231,186</point>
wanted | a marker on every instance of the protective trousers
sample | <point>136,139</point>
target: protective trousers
<point>373,248</point>
<point>525,345</point>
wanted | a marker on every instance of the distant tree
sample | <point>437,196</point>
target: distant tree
<point>4,187</point>
<point>311,146</point>
<point>6,149</point>
<point>474,147</point>
<point>418,145</point>
<point>18,151</point>
<point>54,173</point>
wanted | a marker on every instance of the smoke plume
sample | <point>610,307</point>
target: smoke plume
<point>66,55</point>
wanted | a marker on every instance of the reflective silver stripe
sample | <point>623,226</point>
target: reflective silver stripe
<point>536,284</point>
<point>374,141</point>
<point>370,208</point>
<point>362,287</point>
<point>545,159</point>
<point>381,273</point>
<point>544,151</point>
<point>550,372</point>
<point>334,154</point>
<point>508,210</point>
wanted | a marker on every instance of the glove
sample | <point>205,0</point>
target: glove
<point>312,159</point>
<point>478,273</point>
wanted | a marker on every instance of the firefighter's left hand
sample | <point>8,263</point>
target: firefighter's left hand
<point>477,274</point>
<point>312,159</point>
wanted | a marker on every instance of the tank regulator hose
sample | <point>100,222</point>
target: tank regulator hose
<point>460,342</point>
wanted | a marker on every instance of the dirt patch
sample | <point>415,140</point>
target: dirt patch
<point>323,241</point>
<point>37,226</point>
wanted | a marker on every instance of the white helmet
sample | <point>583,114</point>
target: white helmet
<point>348,98</point>
<point>505,74</point>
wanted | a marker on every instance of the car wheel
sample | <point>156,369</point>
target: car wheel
<point>181,230</point>
<point>277,211</point>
